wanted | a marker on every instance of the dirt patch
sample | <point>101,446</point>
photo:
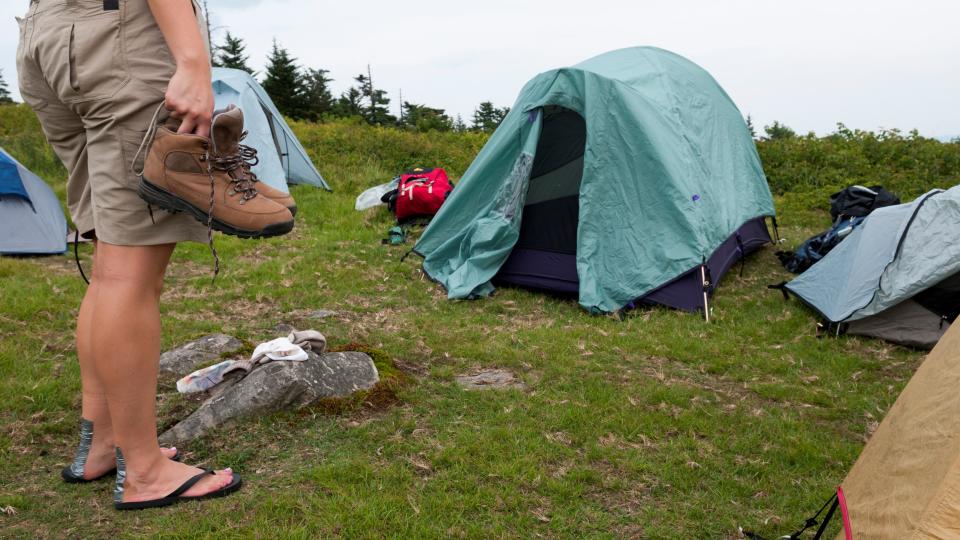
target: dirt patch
<point>496,379</point>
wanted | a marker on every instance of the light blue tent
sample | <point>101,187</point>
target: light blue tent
<point>281,154</point>
<point>31,218</point>
<point>896,277</point>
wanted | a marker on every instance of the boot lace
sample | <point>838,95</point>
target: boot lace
<point>250,159</point>
<point>243,184</point>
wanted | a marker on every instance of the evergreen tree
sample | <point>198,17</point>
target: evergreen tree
<point>350,103</point>
<point>487,117</point>
<point>231,54</point>
<point>459,125</point>
<point>423,118</point>
<point>778,131</point>
<point>753,131</point>
<point>317,98</point>
<point>283,82</point>
<point>4,91</point>
<point>377,110</point>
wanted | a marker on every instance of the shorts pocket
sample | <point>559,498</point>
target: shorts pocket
<point>19,57</point>
<point>96,65</point>
<point>21,24</point>
<point>130,141</point>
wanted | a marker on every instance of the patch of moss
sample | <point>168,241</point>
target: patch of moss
<point>381,397</point>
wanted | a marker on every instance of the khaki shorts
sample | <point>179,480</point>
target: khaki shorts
<point>95,71</point>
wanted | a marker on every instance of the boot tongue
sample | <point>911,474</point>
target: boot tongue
<point>226,130</point>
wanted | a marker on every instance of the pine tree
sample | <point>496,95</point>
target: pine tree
<point>377,111</point>
<point>283,82</point>
<point>753,131</point>
<point>350,103</point>
<point>317,98</point>
<point>231,54</point>
<point>4,91</point>
<point>778,131</point>
<point>487,117</point>
<point>459,125</point>
<point>423,118</point>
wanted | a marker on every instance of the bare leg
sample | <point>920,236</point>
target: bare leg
<point>102,457</point>
<point>124,342</point>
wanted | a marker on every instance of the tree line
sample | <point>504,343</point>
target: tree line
<point>4,90</point>
<point>304,93</point>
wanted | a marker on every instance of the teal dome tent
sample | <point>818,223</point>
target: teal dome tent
<point>629,178</point>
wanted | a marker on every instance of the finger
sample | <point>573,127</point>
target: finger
<point>187,125</point>
<point>203,128</point>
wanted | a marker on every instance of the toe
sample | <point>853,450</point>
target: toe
<point>219,480</point>
<point>226,476</point>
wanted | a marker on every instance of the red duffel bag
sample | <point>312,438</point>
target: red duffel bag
<point>421,192</point>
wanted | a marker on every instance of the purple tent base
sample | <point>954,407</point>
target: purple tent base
<point>557,272</point>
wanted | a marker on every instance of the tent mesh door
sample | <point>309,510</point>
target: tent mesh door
<point>545,254</point>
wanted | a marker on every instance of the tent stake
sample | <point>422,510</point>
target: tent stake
<point>706,295</point>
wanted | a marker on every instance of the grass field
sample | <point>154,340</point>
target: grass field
<point>655,426</point>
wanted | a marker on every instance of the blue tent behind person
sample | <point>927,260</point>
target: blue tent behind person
<point>282,158</point>
<point>30,214</point>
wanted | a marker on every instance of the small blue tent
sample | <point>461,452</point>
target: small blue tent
<point>896,277</point>
<point>30,214</point>
<point>281,154</point>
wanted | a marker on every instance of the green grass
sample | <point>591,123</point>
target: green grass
<point>658,426</point>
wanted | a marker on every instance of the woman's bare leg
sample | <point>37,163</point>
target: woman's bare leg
<point>102,457</point>
<point>124,342</point>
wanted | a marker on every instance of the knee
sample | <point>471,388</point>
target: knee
<point>119,278</point>
<point>134,270</point>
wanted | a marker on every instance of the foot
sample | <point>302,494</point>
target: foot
<point>103,460</point>
<point>166,477</point>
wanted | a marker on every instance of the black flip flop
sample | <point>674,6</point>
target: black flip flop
<point>71,478</point>
<point>177,495</point>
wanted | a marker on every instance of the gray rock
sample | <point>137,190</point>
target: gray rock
<point>283,329</point>
<point>279,386</point>
<point>322,314</point>
<point>187,358</point>
<point>496,379</point>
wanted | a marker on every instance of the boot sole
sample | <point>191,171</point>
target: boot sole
<point>165,200</point>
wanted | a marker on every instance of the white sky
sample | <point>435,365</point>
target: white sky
<point>868,63</point>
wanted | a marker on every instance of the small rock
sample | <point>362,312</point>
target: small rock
<point>496,379</point>
<point>187,358</point>
<point>322,314</point>
<point>279,386</point>
<point>283,329</point>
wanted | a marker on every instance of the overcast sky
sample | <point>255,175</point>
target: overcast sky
<point>871,64</point>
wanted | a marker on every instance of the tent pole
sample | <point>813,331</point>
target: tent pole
<point>706,295</point>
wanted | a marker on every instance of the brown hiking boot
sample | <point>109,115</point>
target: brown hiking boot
<point>187,173</point>
<point>227,132</point>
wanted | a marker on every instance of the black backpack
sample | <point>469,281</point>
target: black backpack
<point>848,207</point>
<point>815,248</point>
<point>859,201</point>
